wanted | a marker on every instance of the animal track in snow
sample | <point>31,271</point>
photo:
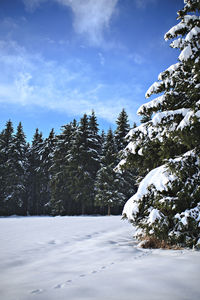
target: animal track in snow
<point>37,291</point>
<point>64,284</point>
<point>59,286</point>
<point>53,242</point>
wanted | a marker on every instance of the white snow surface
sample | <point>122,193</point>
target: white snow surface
<point>75,258</point>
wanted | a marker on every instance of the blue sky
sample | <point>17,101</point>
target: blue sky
<point>60,59</point>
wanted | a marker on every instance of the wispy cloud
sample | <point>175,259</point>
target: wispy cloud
<point>59,87</point>
<point>137,58</point>
<point>91,17</point>
<point>101,58</point>
<point>31,5</point>
<point>144,3</point>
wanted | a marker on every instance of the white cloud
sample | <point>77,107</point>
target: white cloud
<point>23,87</point>
<point>136,58</point>
<point>91,17</point>
<point>101,58</point>
<point>28,80</point>
<point>31,5</point>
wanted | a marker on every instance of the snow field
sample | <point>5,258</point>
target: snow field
<point>76,258</point>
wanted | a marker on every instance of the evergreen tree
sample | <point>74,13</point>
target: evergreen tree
<point>61,201</point>
<point>108,182</point>
<point>94,141</point>
<point>35,175</point>
<point>127,176</point>
<point>7,206</point>
<point>84,162</point>
<point>122,129</point>
<point>19,171</point>
<point>46,157</point>
<point>167,204</point>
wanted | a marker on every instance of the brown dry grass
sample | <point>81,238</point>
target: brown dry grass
<point>153,243</point>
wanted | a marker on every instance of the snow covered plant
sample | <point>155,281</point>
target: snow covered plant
<point>166,146</point>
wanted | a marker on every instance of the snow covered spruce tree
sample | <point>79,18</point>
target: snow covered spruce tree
<point>127,176</point>
<point>35,174</point>
<point>13,166</point>
<point>61,201</point>
<point>46,157</point>
<point>19,172</point>
<point>7,206</point>
<point>122,129</point>
<point>108,183</point>
<point>166,146</point>
<point>83,158</point>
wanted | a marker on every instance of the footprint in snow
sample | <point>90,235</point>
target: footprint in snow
<point>59,286</point>
<point>88,236</point>
<point>82,275</point>
<point>52,242</point>
<point>36,292</point>
<point>62,285</point>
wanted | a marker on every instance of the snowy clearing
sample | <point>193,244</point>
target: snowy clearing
<point>89,258</point>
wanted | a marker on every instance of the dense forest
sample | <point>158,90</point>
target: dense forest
<point>70,173</point>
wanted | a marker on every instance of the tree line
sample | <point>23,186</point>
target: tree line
<point>66,174</point>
